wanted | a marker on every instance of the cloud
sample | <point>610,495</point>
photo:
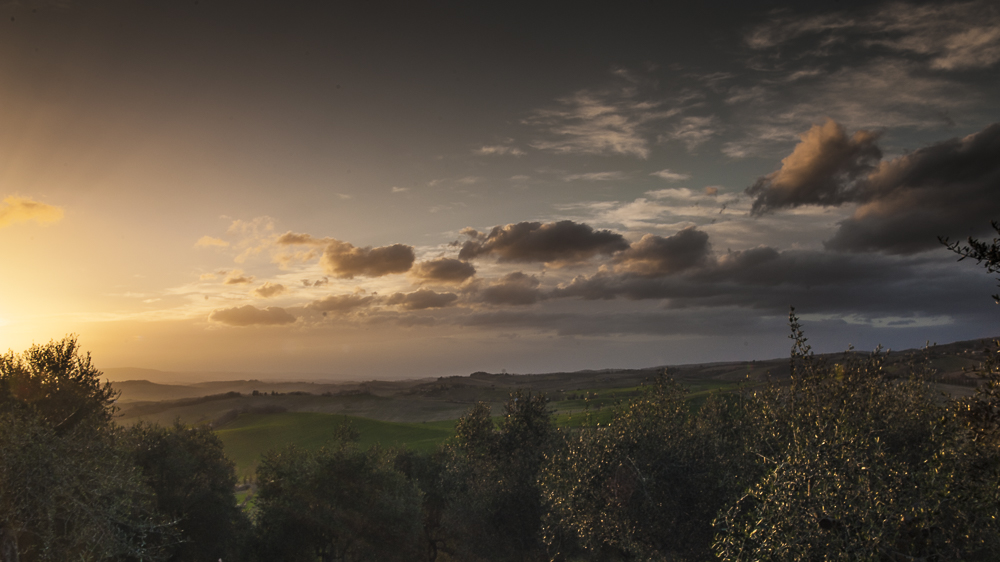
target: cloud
<point>666,174</point>
<point>767,280</point>
<point>656,322</point>
<point>948,36</point>
<point>951,188</point>
<point>822,170</point>
<point>655,256</point>
<point>255,236</point>
<point>295,239</point>
<point>612,121</point>
<point>268,290</point>
<point>557,242</point>
<point>693,131</point>
<point>286,259</point>
<point>422,299</point>
<point>16,210</point>
<point>443,270</point>
<point>400,189</point>
<point>236,277</point>
<point>878,68</point>
<point>668,209</point>
<point>345,261</point>
<point>596,176</point>
<point>681,193</point>
<point>208,241</point>
<point>251,316</point>
<point>341,304</point>
<point>499,150</point>
<point>514,288</point>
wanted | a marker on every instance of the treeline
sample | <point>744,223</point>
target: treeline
<point>844,461</point>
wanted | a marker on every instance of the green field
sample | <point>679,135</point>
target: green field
<point>250,435</point>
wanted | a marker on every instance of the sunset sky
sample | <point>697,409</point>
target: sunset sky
<point>367,190</point>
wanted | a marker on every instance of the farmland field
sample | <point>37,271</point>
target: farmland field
<point>252,416</point>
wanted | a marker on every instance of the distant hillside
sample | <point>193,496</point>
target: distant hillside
<point>117,374</point>
<point>447,398</point>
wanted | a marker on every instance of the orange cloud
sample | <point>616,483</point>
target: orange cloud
<point>822,170</point>
<point>236,277</point>
<point>16,210</point>
<point>251,316</point>
<point>208,241</point>
<point>268,290</point>
<point>296,239</point>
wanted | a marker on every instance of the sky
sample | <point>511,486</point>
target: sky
<point>366,190</point>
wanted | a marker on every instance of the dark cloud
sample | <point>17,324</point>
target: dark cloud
<point>714,322</point>
<point>421,299</point>
<point>951,188</point>
<point>443,270</point>
<point>316,283</point>
<point>512,289</point>
<point>557,242</point>
<point>251,316</point>
<point>948,189</point>
<point>824,169</point>
<point>268,290</point>
<point>656,256</point>
<point>765,279</point>
<point>943,36</point>
<point>340,304</point>
<point>345,261</point>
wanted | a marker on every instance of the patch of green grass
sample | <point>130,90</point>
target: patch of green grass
<point>250,435</point>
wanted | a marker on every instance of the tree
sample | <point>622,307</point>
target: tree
<point>987,255</point>
<point>194,484</point>
<point>59,384</point>
<point>498,506</point>
<point>647,485</point>
<point>858,465</point>
<point>336,504</point>
<point>68,488</point>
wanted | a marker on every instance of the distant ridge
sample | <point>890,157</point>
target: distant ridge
<point>219,381</point>
<point>118,374</point>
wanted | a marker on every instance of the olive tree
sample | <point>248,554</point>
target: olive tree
<point>194,486</point>
<point>336,504</point>
<point>985,254</point>
<point>68,487</point>
<point>647,485</point>
<point>497,506</point>
<point>858,465</point>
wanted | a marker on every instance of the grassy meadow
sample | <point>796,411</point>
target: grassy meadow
<point>250,435</point>
<point>421,414</point>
